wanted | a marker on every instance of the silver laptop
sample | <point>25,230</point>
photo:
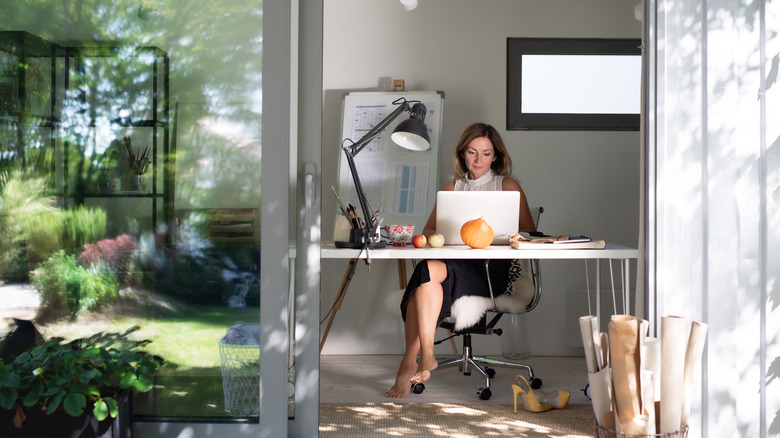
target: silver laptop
<point>501,210</point>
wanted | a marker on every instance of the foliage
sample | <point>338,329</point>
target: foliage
<point>82,374</point>
<point>116,254</point>
<point>22,197</point>
<point>64,284</point>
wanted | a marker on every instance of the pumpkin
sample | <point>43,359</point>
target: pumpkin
<point>476,233</point>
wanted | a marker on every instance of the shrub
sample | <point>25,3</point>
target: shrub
<point>22,197</point>
<point>116,254</point>
<point>64,284</point>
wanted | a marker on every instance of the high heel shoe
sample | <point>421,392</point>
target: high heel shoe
<point>545,401</point>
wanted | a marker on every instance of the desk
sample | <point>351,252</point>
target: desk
<point>610,252</point>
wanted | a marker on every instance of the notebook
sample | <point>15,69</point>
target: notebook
<point>501,210</point>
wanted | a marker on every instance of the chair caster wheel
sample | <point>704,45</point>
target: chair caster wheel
<point>490,372</point>
<point>484,393</point>
<point>418,388</point>
<point>535,383</point>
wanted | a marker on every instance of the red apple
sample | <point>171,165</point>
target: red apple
<point>418,241</point>
<point>436,240</point>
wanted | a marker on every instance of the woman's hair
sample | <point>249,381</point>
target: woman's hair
<point>501,166</point>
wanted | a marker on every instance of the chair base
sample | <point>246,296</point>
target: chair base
<point>467,361</point>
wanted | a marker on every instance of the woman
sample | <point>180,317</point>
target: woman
<point>481,163</point>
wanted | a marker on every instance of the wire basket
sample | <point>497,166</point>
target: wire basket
<point>603,432</point>
<point>240,366</point>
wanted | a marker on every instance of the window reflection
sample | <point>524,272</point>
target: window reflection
<point>130,186</point>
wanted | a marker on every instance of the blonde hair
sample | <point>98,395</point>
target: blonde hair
<point>503,163</point>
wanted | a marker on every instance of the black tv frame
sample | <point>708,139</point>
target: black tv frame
<point>516,120</point>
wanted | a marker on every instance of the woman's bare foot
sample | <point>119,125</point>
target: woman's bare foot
<point>424,368</point>
<point>402,386</point>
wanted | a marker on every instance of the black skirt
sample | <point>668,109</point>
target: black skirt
<point>464,278</point>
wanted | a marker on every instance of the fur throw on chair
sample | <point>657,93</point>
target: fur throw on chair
<point>468,310</point>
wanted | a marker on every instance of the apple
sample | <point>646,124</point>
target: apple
<point>436,240</point>
<point>419,241</point>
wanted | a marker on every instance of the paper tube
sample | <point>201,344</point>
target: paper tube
<point>674,334</point>
<point>652,362</point>
<point>589,328</point>
<point>624,357</point>
<point>648,400</point>
<point>604,344</point>
<point>601,394</point>
<point>692,366</point>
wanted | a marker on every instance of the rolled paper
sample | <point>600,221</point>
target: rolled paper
<point>648,400</point>
<point>604,342</point>
<point>674,334</point>
<point>587,326</point>
<point>692,366</point>
<point>624,357</point>
<point>652,362</point>
<point>601,395</point>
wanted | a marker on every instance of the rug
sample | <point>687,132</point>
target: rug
<point>474,420</point>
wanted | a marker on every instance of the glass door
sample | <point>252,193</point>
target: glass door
<point>137,132</point>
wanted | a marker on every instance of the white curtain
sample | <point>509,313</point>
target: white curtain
<point>712,168</point>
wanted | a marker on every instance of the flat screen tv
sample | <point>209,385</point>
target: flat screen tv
<point>584,84</point>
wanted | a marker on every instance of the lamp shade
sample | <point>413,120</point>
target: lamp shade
<point>411,133</point>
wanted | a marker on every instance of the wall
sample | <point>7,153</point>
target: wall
<point>587,182</point>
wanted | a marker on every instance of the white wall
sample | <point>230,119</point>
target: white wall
<point>588,182</point>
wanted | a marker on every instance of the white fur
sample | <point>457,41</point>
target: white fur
<point>468,310</point>
<point>516,302</point>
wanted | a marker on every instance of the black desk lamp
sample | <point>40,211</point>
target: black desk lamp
<point>410,134</point>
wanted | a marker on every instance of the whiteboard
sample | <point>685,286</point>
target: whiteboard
<point>402,184</point>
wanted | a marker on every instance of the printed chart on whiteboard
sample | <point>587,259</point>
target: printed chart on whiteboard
<point>398,183</point>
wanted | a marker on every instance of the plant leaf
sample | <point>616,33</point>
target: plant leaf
<point>113,408</point>
<point>55,401</point>
<point>100,410</point>
<point>31,399</point>
<point>143,384</point>
<point>74,404</point>
<point>7,397</point>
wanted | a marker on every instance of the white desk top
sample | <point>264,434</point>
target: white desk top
<point>612,251</point>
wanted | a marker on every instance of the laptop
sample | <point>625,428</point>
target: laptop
<point>501,210</point>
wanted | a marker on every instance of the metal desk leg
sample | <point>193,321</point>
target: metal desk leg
<point>339,298</point>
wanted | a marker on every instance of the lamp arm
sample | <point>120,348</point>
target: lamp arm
<point>355,148</point>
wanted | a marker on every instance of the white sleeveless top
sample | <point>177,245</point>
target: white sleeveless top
<point>487,182</point>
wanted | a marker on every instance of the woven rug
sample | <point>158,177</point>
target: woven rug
<point>344,420</point>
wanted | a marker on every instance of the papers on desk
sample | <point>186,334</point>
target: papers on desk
<point>525,241</point>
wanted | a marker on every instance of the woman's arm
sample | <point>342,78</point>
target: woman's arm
<point>526,222</point>
<point>430,225</point>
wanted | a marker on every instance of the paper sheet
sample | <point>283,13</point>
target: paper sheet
<point>624,356</point>
<point>601,395</point>
<point>589,330</point>
<point>652,362</point>
<point>692,366</point>
<point>674,334</point>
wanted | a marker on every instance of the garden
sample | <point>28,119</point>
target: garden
<point>181,298</point>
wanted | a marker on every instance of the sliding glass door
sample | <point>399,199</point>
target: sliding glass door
<point>134,136</point>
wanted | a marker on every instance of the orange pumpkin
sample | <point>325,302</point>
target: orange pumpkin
<point>476,233</point>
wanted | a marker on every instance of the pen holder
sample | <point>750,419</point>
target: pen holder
<point>357,235</point>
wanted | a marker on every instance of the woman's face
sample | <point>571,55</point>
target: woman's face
<point>479,156</point>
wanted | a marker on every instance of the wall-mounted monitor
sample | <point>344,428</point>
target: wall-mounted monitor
<point>583,84</point>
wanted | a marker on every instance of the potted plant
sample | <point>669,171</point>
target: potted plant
<point>55,389</point>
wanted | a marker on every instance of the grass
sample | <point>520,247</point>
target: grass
<point>186,336</point>
<point>187,339</point>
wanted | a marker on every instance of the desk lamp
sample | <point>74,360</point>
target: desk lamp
<point>410,134</point>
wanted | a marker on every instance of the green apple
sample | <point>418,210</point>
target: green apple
<point>436,240</point>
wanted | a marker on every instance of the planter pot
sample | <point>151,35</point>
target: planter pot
<point>61,425</point>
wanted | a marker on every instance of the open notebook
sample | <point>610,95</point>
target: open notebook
<point>501,210</point>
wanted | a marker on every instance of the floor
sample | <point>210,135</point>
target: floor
<point>365,378</point>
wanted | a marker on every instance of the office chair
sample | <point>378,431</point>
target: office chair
<point>499,306</point>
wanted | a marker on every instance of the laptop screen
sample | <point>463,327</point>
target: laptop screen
<point>500,209</point>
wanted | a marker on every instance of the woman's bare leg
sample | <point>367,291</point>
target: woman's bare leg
<point>422,313</point>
